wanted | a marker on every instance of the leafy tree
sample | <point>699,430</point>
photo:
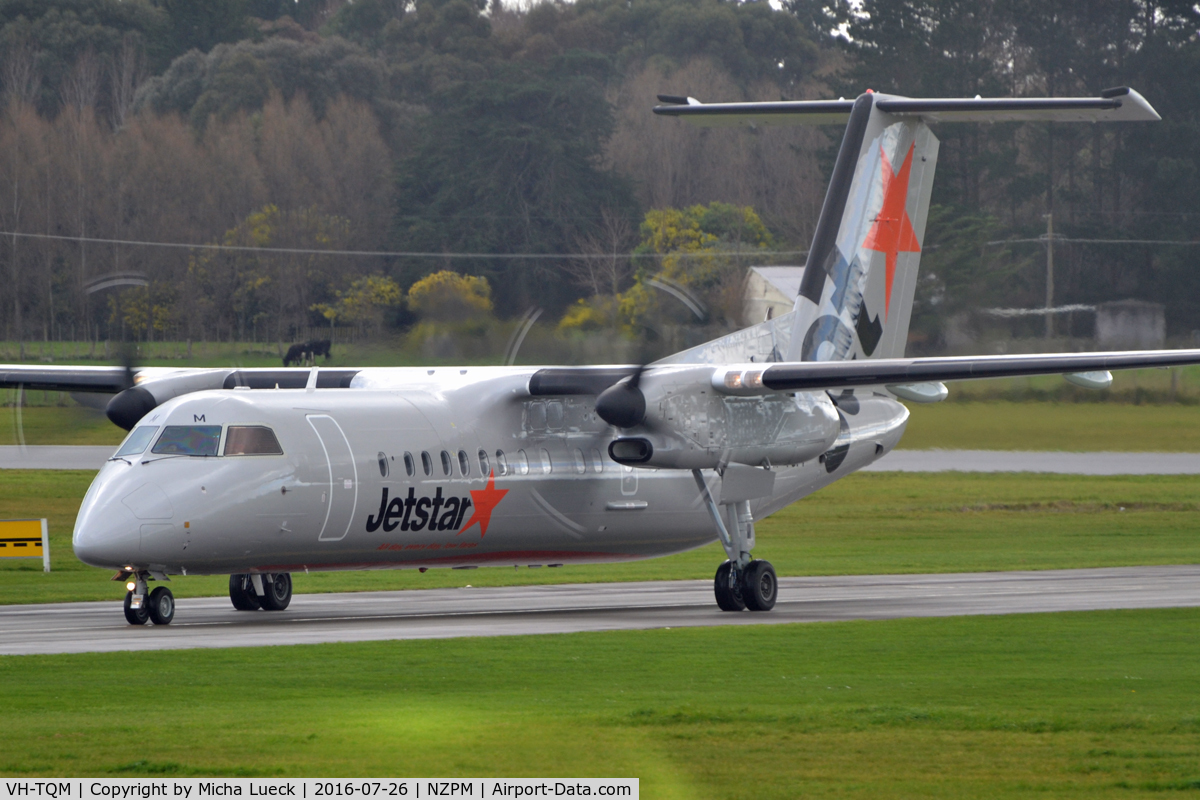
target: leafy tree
<point>510,164</point>
<point>203,24</point>
<point>364,304</point>
<point>447,296</point>
<point>242,76</point>
<point>52,36</point>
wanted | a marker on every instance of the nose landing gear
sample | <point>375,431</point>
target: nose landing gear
<point>270,592</point>
<point>158,607</point>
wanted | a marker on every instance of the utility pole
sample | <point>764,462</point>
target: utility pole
<point>1049,275</point>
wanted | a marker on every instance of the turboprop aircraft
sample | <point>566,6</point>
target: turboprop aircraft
<point>259,473</point>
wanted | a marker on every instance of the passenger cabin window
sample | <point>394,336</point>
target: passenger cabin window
<point>464,463</point>
<point>445,463</point>
<point>501,462</point>
<point>252,440</point>
<point>484,468</point>
<point>547,465</point>
<point>383,465</point>
<point>188,440</point>
<point>580,467</point>
<point>597,464</point>
<point>522,463</point>
<point>137,441</point>
<point>410,468</point>
<point>426,462</point>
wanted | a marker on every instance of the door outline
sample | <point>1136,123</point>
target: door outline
<point>321,537</point>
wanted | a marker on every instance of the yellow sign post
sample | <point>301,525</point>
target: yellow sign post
<point>25,538</point>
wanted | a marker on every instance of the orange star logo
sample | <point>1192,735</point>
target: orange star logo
<point>893,232</point>
<point>485,501</point>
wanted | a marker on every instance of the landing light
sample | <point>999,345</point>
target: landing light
<point>130,586</point>
<point>733,380</point>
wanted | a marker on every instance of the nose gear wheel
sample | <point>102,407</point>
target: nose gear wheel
<point>135,616</point>
<point>161,606</point>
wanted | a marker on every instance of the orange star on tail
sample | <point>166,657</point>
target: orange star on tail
<point>893,232</point>
<point>484,501</point>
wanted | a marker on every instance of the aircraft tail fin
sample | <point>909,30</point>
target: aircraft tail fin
<point>856,296</point>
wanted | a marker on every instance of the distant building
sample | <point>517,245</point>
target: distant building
<point>772,289</point>
<point>1130,325</point>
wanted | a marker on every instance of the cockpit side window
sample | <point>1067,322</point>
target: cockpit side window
<point>137,441</point>
<point>251,440</point>
<point>188,440</point>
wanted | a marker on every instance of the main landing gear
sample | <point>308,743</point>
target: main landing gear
<point>741,582</point>
<point>158,607</point>
<point>270,592</point>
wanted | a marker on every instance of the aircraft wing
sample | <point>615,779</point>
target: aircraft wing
<point>112,380</point>
<point>752,379</point>
<point>107,380</point>
<point>1113,105</point>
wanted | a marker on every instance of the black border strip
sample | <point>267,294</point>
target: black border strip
<point>825,236</point>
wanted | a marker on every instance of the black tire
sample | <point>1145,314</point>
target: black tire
<point>278,591</point>
<point>729,598</point>
<point>162,606</point>
<point>760,587</point>
<point>135,616</point>
<point>241,593</point>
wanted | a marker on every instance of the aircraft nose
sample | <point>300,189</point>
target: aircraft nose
<point>107,534</point>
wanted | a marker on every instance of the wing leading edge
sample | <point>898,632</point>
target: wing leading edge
<point>753,379</point>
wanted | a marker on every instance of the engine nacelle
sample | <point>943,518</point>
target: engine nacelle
<point>688,425</point>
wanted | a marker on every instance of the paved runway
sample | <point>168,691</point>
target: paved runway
<point>65,457</point>
<point>1102,463</point>
<point>54,456</point>
<point>445,613</point>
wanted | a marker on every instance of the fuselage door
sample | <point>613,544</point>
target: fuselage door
<point>342,494</point>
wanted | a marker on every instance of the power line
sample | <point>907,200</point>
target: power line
<point>1043,240</point>
<point>392,253</point>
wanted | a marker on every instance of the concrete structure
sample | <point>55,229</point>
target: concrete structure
<point>771,289</point>
<point>1130,325</point>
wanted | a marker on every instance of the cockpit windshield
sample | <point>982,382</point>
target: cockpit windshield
<point>251,440</point>
<point>188,440</point>
<point>137,441</point>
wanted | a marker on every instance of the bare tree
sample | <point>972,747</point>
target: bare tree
<point>125,74</point>
<point>22,77</point>
<point>614,238</point>
<point>676,164</point>
<point>81,89</point>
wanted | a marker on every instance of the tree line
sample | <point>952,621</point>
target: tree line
<point>465,128</point>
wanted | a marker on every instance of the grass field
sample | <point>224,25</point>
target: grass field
<point>1079,427</point>
<point>1099,704</point>
<point>867,523</point>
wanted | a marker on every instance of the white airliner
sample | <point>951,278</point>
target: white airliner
<point>259,473</point>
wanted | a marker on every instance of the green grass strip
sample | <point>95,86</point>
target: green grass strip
<point>1100,704</point>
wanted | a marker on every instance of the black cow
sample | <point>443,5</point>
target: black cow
<point>306,352</point>
<point>319,348</point>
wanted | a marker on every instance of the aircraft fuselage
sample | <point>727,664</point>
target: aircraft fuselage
<point>422,468</point>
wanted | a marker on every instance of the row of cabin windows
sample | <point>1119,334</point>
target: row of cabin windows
<point>520,464</point>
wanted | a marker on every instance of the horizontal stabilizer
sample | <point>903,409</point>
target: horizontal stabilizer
<point>1114,105</point>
